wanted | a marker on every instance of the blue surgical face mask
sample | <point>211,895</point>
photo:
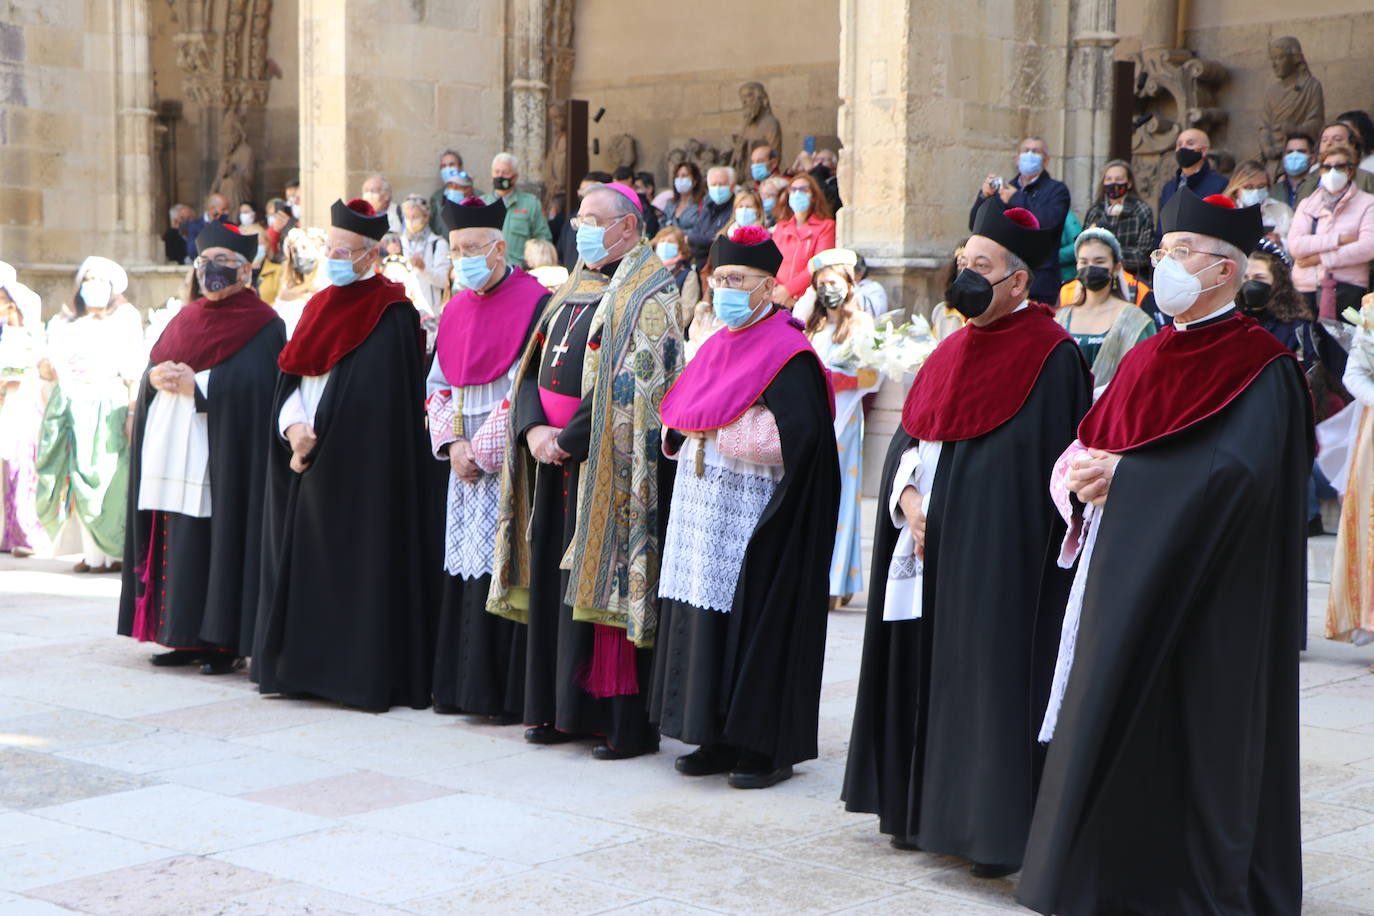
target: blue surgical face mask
<point>473,272</point>
<point>591,245</point>
<point>718,193</point>
<point>1029,163</point>
<point>449,173</point>
<point>454,195</point>
<point>682,184</point>
<point>799,201</point>
<point>1296,162</point>
<point>340,270</point>
<point>768,204</point>
<point>759,170</point>
<point>666,251</point>
<point>746,216</point>
<point>732,306</point>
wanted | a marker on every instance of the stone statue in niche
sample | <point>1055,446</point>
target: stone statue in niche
<point>1295,105</point>
<point>624,151</point>
<point>556,160</point>
<point>234,175</point>
<point>760,125</point>
<point>703,154</point>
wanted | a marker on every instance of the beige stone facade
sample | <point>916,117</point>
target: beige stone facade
<point>110,111</point>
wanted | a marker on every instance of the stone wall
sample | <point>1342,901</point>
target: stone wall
<point>74,120</point>
<point>387,85</point>
<point>667,73</point>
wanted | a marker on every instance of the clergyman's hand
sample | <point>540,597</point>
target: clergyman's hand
<point>461,461</point>
<point>301,436</point>
<point>910,504</point>
<point>1091,477</point>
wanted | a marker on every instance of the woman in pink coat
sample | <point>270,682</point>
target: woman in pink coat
<point>1332,239</point>
<point>805,227</point>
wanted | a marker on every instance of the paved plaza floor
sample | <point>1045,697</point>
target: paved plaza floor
<point>126,789</point>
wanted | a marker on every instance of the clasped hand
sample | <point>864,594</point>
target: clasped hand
<point>460,459</point>
<point>301,436</point>
<point>543,443</point>
<point>173,378</point>
<point>1091,477</point>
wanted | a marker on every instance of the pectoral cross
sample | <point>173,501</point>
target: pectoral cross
<point>558,350</point>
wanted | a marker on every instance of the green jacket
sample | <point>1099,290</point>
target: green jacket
<point>524,221</point>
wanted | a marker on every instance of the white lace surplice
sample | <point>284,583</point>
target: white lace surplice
<point>709,528</point>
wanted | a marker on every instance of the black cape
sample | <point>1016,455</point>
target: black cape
<point>350,545</point>
<point>943,745</point>
<point>479,658</point>
<point>1171,784</point>
<point>208,574</point>
<point>752,678</point>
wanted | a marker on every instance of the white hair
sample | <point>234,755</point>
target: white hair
<point>509,159</point>
<point>1015,263</point>
<point>386,185</point>
<point>1237,257</point>
<point>729,173</point>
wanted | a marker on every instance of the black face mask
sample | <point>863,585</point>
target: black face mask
<point>970,294</point>
<point>501,184</point>
<point>215,277</point>
<point>1114,191</point>
<point>1095,278</point>
<point>1187,158</point>
<point>1254,296</point>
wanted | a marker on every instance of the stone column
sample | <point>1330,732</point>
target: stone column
<point>324,78</point>
<point>527,116</point>
<point>135,216</point>
<point>1088,97</point>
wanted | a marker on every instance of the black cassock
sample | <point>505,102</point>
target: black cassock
<point>479,659</point>
<point>1171,783</point>
<point>559,650</point>
<point>206,571</point>
<point>752,678</point>
<point>351,545</point>
<point>943,745</point>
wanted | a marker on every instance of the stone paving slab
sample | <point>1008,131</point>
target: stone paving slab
<point>129,789</point>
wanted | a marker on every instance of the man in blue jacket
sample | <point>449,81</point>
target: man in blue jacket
<point>1034,190</point>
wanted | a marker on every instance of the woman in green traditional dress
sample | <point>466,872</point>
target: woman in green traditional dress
<point>96,356</point>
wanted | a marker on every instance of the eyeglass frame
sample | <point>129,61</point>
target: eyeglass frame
<point>577,222</point>
<point>1159,254</point>
<point>741,278</point>
<point>460,252</point>
<point>201,261</point>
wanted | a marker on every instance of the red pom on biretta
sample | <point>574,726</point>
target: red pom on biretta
<point>749,235</point>
<point>1220,200</point>
<point>1022,217</point>
<point>358,205</point>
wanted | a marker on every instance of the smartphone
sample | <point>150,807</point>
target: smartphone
<point>809,144</point>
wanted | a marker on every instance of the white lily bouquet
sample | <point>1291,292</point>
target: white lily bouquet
<point>1363,319</point>
<point>892,349</point>
<point>158,319</point>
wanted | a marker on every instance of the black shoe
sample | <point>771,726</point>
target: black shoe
<point>982,870</point>
<point>755,771</point>
<point>904,845</point>
<point>176,657</point>
<point>1314,527</point>
<point>606,752</point>
<point>547,734</point>
<point>444,709</point>
<point>708,760</point>
<point>220,663</point>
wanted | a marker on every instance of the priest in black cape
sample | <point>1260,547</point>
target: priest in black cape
<point>966,598</point>
<point>740,647</point>
<point>1171,783</point>
<point>585,477</point>
<point>479,660</point>
<point>198,467</point>
<point>350,548</point>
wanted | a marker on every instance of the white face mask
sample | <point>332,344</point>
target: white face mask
<point>1176,290</point>
<point>96,294</point>
<point>1251,196</point>
<point>1335,180</point>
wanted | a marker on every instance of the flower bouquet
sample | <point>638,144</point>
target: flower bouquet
<point>890,349</point>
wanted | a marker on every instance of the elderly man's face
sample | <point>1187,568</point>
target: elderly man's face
<point>826,158</point>
<point>503,169</point>
<point>1335,135</point>
<point>598,208</point>
<point>1034,145</point>
<point>342,245</point>
<point>224,256</point>
<point>375,193</point>
<point>984,256</point>
<point>450,161</point>
<point>762,155</point>
<point>717,178</point>
<point>1193,139</point>
<point>216,205</point>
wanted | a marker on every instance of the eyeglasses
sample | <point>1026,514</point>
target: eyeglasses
<point>579,221</point>
<point>344,254</point>
<point>733,281</point>
<point>1328,166</point>
<point>1179,253</point>
<point>223,260</point>
<point>470,252</point>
